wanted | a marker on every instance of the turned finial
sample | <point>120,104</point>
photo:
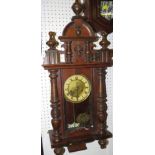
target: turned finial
<point>104,42</point>
<point>52,43</point>
<point>77,7</point>
<point>106,53</point>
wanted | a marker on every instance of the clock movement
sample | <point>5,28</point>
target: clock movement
<point>78,87</point>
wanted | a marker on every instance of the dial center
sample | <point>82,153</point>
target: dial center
<point>76,88</point>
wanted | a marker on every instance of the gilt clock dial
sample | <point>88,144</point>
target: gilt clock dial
<point>77,88</point>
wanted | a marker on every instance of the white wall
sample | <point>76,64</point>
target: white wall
<point>55,15</point>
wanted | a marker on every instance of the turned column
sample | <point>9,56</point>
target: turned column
<point>55,112</point>
<point>68,53</point>
<point>88,54</point>
<point>102,107</point>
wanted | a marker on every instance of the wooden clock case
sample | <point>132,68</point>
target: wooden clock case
<point>80,58</point>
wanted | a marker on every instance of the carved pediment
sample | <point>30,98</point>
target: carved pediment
<point>78,37</point>
<point>78,28</point>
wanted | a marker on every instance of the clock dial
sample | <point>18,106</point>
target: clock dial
<point>77,88</point>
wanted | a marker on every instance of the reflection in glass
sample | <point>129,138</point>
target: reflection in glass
<point>106,9</point>
<point>78,115</point>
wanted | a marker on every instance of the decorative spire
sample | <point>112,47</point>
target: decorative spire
<point>104,42</point>
<point>106,55</point>
<point>52,43</point>
<point>77,7</point>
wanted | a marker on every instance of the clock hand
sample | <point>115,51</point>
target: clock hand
<point>77,92</point>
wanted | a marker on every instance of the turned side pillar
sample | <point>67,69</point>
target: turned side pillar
<point>68,53</point>
<point>88,54</point>
<point>55,112</point>
<point>102,107</point>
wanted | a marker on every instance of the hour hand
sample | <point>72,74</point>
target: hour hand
<point>71,93</point>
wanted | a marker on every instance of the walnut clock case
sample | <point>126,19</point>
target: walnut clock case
<point>78,88</point>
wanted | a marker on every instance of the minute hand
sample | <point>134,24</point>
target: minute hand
<point>77,92</point>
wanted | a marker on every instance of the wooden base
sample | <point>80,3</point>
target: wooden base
<point>77,147</point>
<point>78,143</point>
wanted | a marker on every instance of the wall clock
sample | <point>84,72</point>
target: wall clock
<point>78,88</point>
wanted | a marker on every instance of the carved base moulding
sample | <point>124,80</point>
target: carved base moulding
<point>75,141</point>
